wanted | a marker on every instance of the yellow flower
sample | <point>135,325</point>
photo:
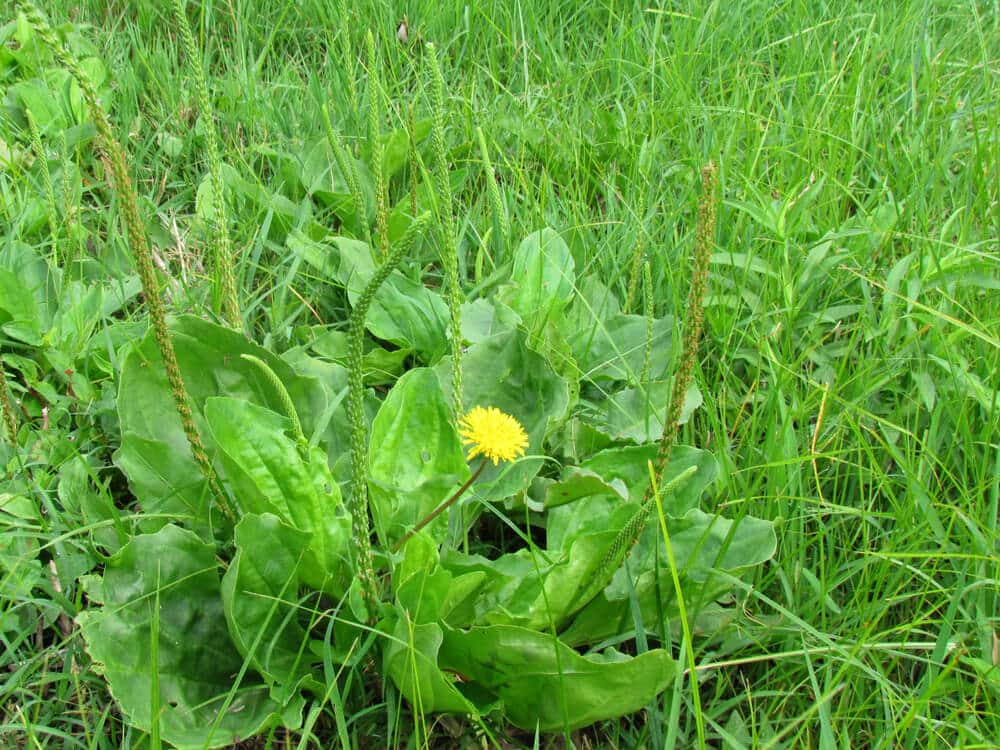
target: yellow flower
<point>490,433</point>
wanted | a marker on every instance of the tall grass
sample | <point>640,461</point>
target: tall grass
<point>852,337</point>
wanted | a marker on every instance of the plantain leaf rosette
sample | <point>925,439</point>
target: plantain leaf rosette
<point>493,528</point>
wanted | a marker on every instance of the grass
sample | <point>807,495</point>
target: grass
<point>851,364</point>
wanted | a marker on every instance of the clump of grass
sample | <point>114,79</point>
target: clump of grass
<point>695,313</point>
<point>140,248</point>
<point>853,409</point>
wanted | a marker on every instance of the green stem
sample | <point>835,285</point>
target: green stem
<point>50,193</point>
<point>375,135</point>
<point>287,404</point>
<point>441,508</point>
<point>349,170</point>
<point>220,227</point>
<point>7,407</point>
<point>447,219</point>
<point>364,564</point>
<point>681,608</point>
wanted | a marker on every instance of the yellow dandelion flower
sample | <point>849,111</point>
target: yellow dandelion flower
<point>490,433</point>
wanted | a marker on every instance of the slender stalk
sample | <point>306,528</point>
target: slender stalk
<point>411,124</point>
<point>347,53</point>
<point>681,608</point>
<point>703,244</point>
<point>636,266</point>
<point>224,263</point>
<point>7,406</point>
<point>375,136</point>
<point>364,565</point>
<point>704,241</point>
<point>349,169</point>
<point>441,508</point>
<point>500,219</point>
<point>447,219</point>
<point>50,193</point>
<point>647,290</point>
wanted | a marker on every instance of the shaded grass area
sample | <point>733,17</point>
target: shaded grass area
<point>850,369</point>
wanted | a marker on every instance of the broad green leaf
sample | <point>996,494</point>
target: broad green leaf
<point>318,171</point>
<point>486,317</point>
<point>331,425</point>
<point>403,311</point>
<point>593,302</point>
<point>637,414</point>
<point>536,590</point>
<point>577,483</point>
<point>502,371</point>
<point>415,457</point>
<point>542,278</point>
<point>410,659</point>
<point>630,464</point>
<point>703,543</point>
<point>154,452</point>
<point>165,586</point>
<point>23,572</point>
<point>615,348</point>
<point>580,439</point>
<point>423,591</point>
<point>320,255</point>
<point>276,214</point>
<point>19,317</point>
<point>20,568</point>
<point>82,307</point>
<point>401,216</point>
<point>509,582</point>
<point>259,593</point>
<point>379,366</point>
<point>426,591</point>
<point>421,585</point>
<point>37,97</point>
<point>28,293</point>
<point>545,685</point>
<point>270,473</point>
<point>93,68</point>
<point>100,513</point>
<point>396,147</point>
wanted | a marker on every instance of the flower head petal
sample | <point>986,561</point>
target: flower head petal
<point>492,434</point>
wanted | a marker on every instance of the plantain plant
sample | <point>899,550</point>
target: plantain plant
<point>477,527</point>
